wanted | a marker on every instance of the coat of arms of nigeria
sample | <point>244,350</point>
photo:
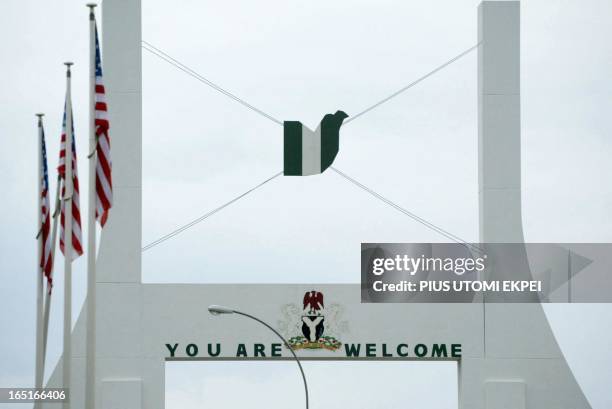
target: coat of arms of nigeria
<point>312,325</point>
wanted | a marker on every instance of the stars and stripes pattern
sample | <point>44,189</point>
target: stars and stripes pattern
<point>104,184</point>
<point>46,258</point>
<point>77,238</point>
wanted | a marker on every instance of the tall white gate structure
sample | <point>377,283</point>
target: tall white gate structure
<point>510,359</point>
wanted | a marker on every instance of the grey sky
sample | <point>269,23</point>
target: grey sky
<point>300,60</point>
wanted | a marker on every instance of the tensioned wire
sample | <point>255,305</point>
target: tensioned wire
<point>177,64</point>
<point>412,84</point>
<point>170,60</point>
<point>378,196</point>
<point>174,62</point>
<point>413,216</point>
<point>207,215</point>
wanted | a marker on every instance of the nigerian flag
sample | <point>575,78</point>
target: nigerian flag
<point>311,152</point>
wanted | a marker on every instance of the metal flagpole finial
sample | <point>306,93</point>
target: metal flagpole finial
<point>91,6</point>
<point>68,64</point>
<point>40,116</point>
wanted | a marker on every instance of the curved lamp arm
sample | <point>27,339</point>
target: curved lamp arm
<point>216,310</point>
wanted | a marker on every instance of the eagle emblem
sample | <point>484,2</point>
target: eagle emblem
<point>313,302</point>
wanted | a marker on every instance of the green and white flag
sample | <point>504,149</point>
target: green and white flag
<point>311,152</point>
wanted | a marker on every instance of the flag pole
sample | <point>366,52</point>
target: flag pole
<point>68,248</point>
<point>90,347</point>
<point>39,268</point>
<point>48,295</point>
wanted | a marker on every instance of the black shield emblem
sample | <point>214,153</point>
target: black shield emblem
<point>312,327</point>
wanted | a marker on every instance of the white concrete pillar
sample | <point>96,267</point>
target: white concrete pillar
<point>522,366</point>
<point>499,122</point>
<point>119,258</point>
<point>119,327</point>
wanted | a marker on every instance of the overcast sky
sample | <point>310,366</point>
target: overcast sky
<point>299,61</point>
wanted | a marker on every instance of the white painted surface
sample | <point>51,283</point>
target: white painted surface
<point>121,393</point>
<point>119,256</point>
<point>505,395</point>
<point>311,150</point>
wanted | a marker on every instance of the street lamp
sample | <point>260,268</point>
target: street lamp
<point>218,310</point>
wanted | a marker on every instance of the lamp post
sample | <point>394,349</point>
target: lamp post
<point>218,310</point>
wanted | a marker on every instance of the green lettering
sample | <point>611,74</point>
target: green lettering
<point>439,350</point>
<point>191,350</point>
<point>172,349</point>
<point>276,350</point>
<point>371,350</point>
<point>352,349</point>
<point>259,349</point>
<point>420,350</point>
<point>456,350</point>
<point>241,351</point>
<point>385,353</point>
<point>217,352</point>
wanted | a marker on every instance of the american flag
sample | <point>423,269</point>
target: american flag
<point>104,183</point>
<point>46,258</point>
<point>77,240</point>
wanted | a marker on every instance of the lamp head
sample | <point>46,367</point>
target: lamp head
<point>219,309</point>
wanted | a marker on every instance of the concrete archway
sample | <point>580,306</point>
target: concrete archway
<point>509,356</point>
